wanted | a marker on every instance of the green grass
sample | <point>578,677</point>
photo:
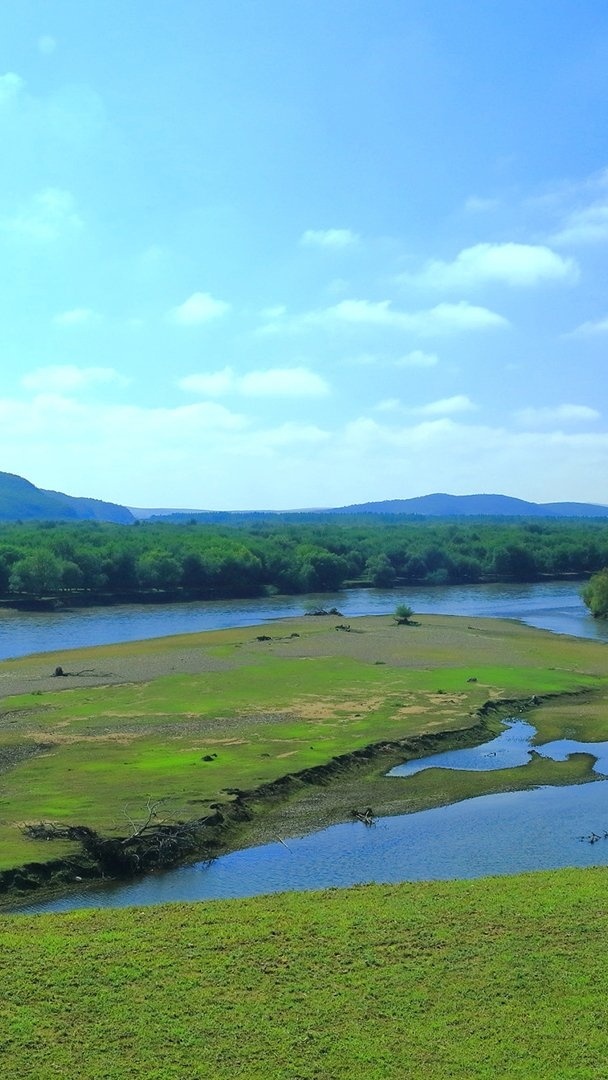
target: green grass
<point>476,980</point>
<point>269,709</point>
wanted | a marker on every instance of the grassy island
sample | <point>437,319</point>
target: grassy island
<point>256,733</point>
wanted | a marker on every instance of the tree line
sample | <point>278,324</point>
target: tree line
<point>106,561</point>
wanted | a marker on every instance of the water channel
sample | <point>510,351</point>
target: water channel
<point>545,828</point>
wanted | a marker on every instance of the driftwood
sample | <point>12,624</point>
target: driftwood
<point>365,816</point>
<point>593,837</point>
<point>150,844</point>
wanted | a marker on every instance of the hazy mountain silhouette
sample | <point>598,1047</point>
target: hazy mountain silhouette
<point>22,501</point>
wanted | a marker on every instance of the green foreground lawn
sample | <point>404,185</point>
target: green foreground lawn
<point>183,719</point>
<point>495,978</point>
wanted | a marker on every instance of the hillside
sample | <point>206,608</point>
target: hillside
<point>22,501</point>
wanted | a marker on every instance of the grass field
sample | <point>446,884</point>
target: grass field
<point>182,719</point>
<point>495,978</point>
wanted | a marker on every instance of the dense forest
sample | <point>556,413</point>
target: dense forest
<point>101,562</point>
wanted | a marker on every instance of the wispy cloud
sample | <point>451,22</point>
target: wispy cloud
<point>515,265</point>
<point>459,403</point>
<point>588,225</point>
<point>82,316</point>
<point>392,404</point>
<point>335,239</point>
<point>272,382</point>
<point>46,44</point>
<point>68,378</point>
<point>597,326</point>
<point>11,86</point>
<point>476,204</point>
<point>417,358</point>
<point>548,416</point>
<point>49,215</point>
<point>197,309</point>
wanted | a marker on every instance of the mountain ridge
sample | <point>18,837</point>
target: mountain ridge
<point>20,500</point>
<point>435,505</point>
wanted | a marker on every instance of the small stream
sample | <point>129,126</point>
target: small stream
<point>511,748</point>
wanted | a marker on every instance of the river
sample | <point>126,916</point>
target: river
<point>494,834</point>
<point>554,605</point>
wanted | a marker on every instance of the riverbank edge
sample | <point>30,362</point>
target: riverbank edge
<point>161,847</point>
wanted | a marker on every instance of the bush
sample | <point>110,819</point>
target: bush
<point>403,615</point>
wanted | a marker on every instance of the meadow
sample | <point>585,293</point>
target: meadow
<point>499,977</point>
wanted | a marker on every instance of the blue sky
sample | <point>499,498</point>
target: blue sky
<point>284,253</point>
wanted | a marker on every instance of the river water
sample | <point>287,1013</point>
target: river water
<point>554,605</point>
<point>494,834</point>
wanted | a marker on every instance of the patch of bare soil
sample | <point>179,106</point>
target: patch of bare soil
<point>11,756</point>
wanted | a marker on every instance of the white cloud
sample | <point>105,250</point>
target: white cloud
<point>599,326</point>
<point>272,382</point>
<point>510,264</point>
<point>547,416</point>
<point>198,308</point>
<point>446,406</point>
<point>417,358</point>
<point>67,378</point>
<point>335,239</point>
<point>444,318</point>
<point>49,215</point>
<point>76,317</point>
<point>11,86</point>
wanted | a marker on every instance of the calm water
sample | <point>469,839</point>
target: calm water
<point>511,748</point>
<point>495,834</point>
<point>553,606</point>
<point>507,833</point>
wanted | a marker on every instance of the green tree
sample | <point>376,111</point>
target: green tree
<point>595,594</point>
<point>380,571</point>
<point>37,575</point>
<point>515,562</point>
<point>158,570</point>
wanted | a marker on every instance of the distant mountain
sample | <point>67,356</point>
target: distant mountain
<point>141,514</point>
<point>22,501</point>
<point>441,505</point>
